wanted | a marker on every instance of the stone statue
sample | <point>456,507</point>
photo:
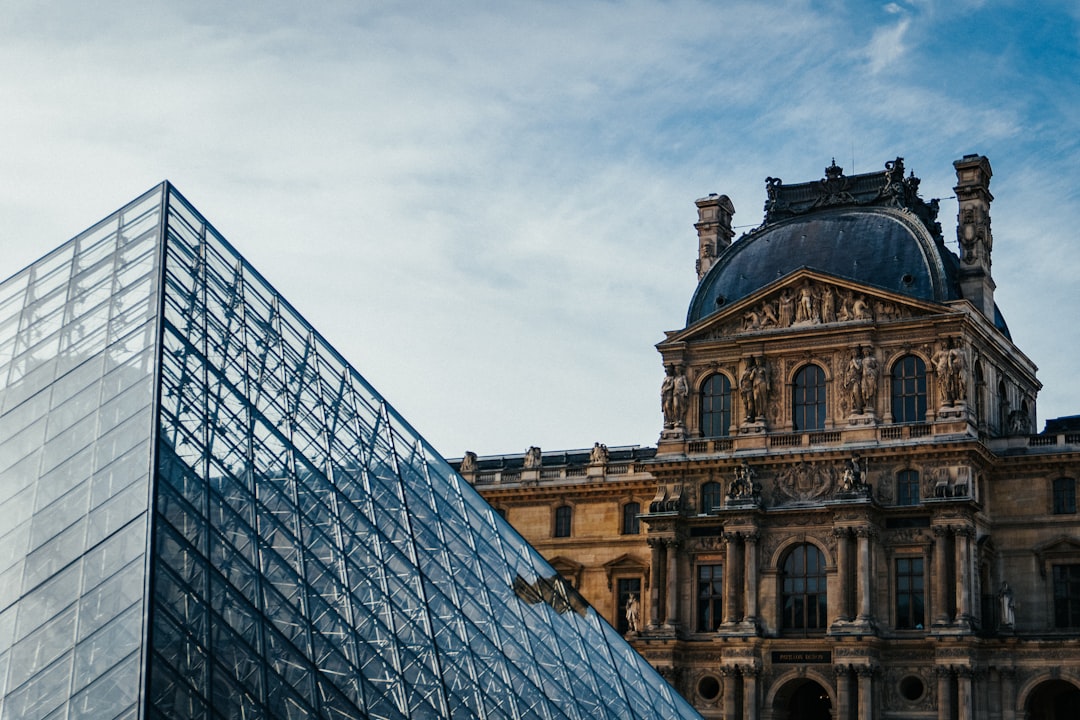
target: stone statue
<point>804,311</point>
<point>754,388</point>
<point>1008,608</point>
<point>667,398</point>
<point>828,305</point>
<point>787,308</point>
<point>869,380</point>
<point>950,367</point>
<point>598,455</point>
<point>681,393</point>
<point>742,486</point>
<point>853,382</point>
<point>760,381</point>
<point>633,613</point>
<point>468,463</point>
<point>853,481</point>
<point>532,458</point>
<point>860,309</point>
<point>957,372</point>
<point>846,310</point>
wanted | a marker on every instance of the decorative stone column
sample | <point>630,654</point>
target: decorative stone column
<point>964,696</point>
<point>843,571</point>
<point>866,690</point>
<point>963,576</point>
<point>672,611</point>
<point>750,700</point>
<point>1008,693</point>
<point>944,692</point>
<point>941,579</point>
<point>732,684</point>
<point>657,579</point>
<point>751,574</point>
<point>864,534</point>
<point>731,579</point>
<point>843,692</point>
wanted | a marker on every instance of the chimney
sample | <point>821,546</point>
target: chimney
<point>973,231</point>
<point>713,229</point>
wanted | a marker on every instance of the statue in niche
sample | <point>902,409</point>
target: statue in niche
<point>532,458</point>
<point>853,382</point>
<point>949,367</point>
<point>869,379</point>
<point>754,388</point>
<point>1008,607</point>
<point>957,372</point>
<point>598,455</point>
<point>468,463</point>
<point>828,304</point>
<point>633,613</point>
<point>787,308</point>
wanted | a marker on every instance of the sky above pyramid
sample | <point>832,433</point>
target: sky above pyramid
<point>508,184</point>
<point>310,553</point>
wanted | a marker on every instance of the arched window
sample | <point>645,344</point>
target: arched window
<point>1064,496</point>
<point>563,516</point>
<point>716,406</point>
<point>631,525</point>
<point>907,487</point>
<point>909,390</point>
<point>804,589</point>
<point>808,399</point>
<point>712,496</point>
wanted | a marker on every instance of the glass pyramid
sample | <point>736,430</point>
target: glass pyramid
<point>206,512</point>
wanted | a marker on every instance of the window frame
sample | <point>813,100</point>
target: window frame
<point>1065,586</point>
<point>710,414</point>
<point>709,489</point>
<point>908,479</point>
<point>796,617</point>
<point>621,624</point>
<point>809,398</point>
<point>1063,494</point>
<point>908,397</point>
<point>905,579</point>
<point>562,522</point>
<point>708,606</point>
<point>631,523</point>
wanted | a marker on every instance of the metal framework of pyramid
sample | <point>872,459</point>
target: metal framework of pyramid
<point>206,512</point>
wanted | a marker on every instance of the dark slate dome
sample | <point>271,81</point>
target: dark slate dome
<point>872,229</point>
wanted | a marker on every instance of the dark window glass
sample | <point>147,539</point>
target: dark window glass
<point>716,406</point>
<point>1067,596</point>
<point>712,496</point>
<point>808,399</point>
<point>630,523</point>
<point>710,595</point>
<point>627,587</point>
<point>909,390</point>
<point>907,488</point>
<point>562,520</point>
<point>804,589</point>
<point>1064,496</point>
<point>910,601</point>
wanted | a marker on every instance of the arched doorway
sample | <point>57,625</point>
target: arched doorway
<point>803,699</point>
<point>1053,700</point>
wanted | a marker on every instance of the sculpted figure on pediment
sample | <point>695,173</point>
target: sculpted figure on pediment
<point>806,311</point>
<point>787,309</point>
<point>828,304</point>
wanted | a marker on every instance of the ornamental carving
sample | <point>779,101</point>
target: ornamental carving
<point>810,303</point>
<point>805,482</point>
<point>900,689</point>
<point>950,369</point>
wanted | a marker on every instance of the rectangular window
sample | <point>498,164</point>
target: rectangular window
<point>627,588</point>
<point>1064,496</point>
<point>1067,596</point>
<point>631,524</point>
<point>562,521</point>
<point>910,597</point>
<point>710,596</point>
<point>907,488</point>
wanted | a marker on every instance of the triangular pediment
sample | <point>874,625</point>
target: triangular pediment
<point>625,564</point>
<point>801,300</point>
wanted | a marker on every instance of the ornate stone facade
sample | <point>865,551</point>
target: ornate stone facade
<point>848,511</point>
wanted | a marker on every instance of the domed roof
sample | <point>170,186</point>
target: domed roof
<point>872,229</point>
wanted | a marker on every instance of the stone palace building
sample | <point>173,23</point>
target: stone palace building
<point>849,512</point>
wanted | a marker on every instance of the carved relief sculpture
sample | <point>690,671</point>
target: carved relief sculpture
<point>673,393</point>
<point>950,367</point>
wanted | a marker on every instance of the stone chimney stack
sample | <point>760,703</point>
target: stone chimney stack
<point>973,231</point>
<point>713,229</point>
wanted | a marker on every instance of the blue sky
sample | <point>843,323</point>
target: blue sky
<point>488,206</point>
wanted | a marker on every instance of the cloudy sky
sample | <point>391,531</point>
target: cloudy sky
<point>488,207</point>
